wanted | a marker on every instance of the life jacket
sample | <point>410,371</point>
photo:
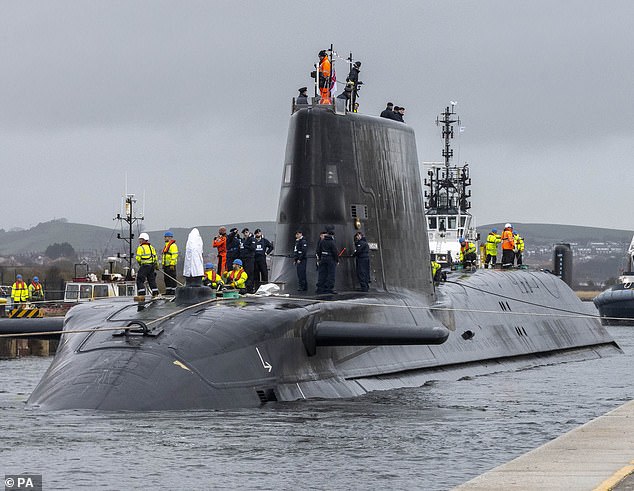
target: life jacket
<point>19,291</point>
<point>213,277</point>
<point>36,290</point>
<point>170,253</point>
<point>238,277</point>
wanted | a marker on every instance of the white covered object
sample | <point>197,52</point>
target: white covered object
<point>194,266</point>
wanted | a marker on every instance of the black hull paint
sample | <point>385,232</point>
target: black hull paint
<point>252,350</point>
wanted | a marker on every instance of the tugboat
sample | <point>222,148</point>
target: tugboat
<point>447,201</point>
<point>616,305</point>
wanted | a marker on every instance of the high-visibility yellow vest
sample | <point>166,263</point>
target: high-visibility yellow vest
<point>492,244</point>
<point>146,254</point>
<point>214,277</point>
<point>236,278</point>
<point>36,292</point>
<point>519,243</point>
<point>170,253</point>
<point>19,291</point>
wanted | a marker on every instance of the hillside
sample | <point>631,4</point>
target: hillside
<point>94,240</point>
<point>541,233</point>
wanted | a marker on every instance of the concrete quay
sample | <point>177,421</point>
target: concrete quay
<point>598,455</point>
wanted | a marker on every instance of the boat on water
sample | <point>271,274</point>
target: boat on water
<point>352,172</point>
<point>88,287</point>
<point>447,200</point>
<point>616,305</point>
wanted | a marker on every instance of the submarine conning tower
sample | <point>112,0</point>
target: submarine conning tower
<point>355,172</point>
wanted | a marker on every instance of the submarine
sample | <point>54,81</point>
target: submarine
<point>352,172</point>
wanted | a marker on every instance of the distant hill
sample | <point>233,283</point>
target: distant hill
<point>100,240</point>
<point>103,241</point>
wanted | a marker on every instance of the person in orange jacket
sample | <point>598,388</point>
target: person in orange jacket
<point>324,77</point>
<point>508,246</point>
<point>220,243</point>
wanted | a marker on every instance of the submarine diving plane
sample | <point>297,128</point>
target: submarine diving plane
<point>354,172</point>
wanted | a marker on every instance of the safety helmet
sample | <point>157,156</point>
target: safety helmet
<point>494,230</point>
<point>238,262</point>
<point>144,236</point>
<point>508,225</point>
<point>461,240</point>
<point>18,277</point>
<point>209,266</point>
<point>35,278</point>
<point>168,234</point>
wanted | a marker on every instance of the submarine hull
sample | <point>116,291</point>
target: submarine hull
<point>352,172</point>
<point>195,358</point>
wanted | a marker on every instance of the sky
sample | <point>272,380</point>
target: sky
<point>186,103</point>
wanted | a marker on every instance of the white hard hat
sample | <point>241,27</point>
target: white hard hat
<point>508,225</point>
<point>144,236</point>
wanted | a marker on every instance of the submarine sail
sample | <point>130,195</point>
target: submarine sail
<point>353,172</point>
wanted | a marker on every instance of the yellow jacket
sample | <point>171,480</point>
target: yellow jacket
<point>20,291</point>
<point>146,254</point>
<point>36,291</point>
<point>236,278</point>
<point>519,243</point>
<point>466,248</point>
<point>492,244</point>
<point>170,254</point>
<point>214,278</point>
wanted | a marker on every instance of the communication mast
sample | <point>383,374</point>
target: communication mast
<point>130,219</point>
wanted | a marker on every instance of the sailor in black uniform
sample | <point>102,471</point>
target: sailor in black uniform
<point>299,255</point>
<point>362,255</point>
<point>328,257</point>
<point>247,254</point>
<point>302,98</point>
<point>263,248</point>
<point>233,247</point>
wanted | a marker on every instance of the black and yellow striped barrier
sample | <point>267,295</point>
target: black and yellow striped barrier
<point>25,313</point>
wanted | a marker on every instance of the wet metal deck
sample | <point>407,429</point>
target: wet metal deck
<point>598,455</point>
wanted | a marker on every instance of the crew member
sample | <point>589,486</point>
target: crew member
<point>508,246</point>
<point>353,82</point>
<point>19,291</point>
<point>436,270</point>
<point>211,278</point>
<point>468,255</point>
<point>237,277</point>
<point>302,98</point>
<point>220,243</point>
<point>397,114</point>
<point>519,247</point>
<point>233,247</point>
<point>263,248</point>
<point>36,290</point>
<point>493,239</point>
<point>362,255</point>
<point>148,262</point>
<point>247,254</point>
<point>324,77</point>
<point>299,256</point>
<point>328,257</point>
<point>388,112</point>
<point>169,260</point>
